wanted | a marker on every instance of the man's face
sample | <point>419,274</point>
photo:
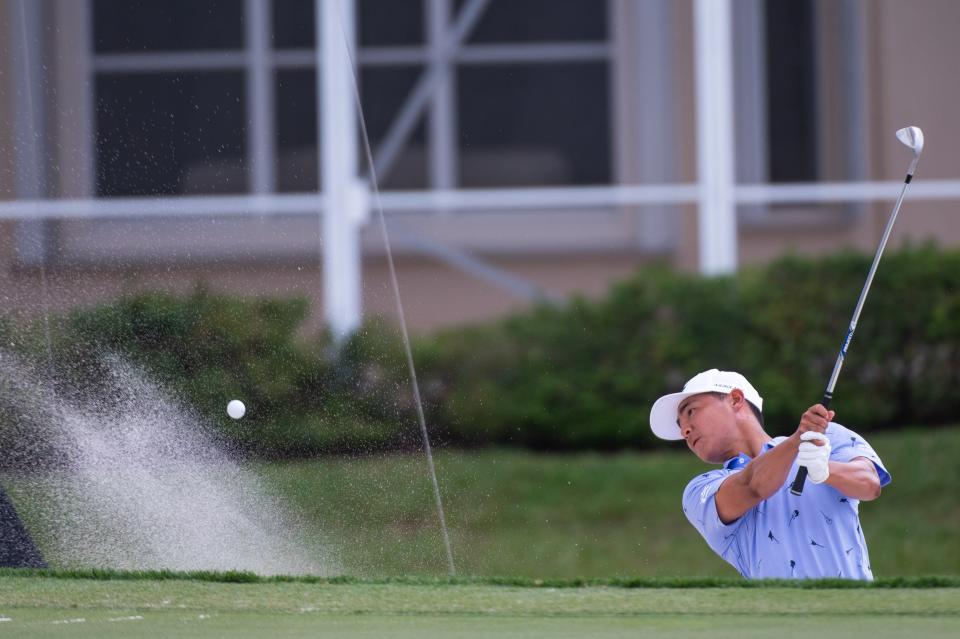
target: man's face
<point>708,424</point>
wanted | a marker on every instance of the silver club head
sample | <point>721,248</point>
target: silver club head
<point>912,137</point>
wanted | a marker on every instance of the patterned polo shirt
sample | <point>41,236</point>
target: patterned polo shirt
<point>815,535</point>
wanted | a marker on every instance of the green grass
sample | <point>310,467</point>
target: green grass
<point>42,624</point>
<point>584,515</point>
<point>517,513</point>
<point>42,607</point>
<point>595,545</point>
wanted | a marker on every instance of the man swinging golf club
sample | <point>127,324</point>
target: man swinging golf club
<point>745,509</point>
<point>748,511</point>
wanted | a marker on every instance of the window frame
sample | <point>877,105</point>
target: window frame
<point>846,70</point>
<point>259,61</point>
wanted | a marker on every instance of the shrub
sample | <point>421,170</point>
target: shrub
<point>211,348</point>
<point>586,374</point>
<point>578,375</point>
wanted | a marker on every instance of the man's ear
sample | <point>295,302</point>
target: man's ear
<point>737,400</point>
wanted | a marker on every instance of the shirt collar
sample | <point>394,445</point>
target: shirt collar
<point>738,462</point>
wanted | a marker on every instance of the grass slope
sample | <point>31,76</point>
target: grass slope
<point>517,513</point>
<point>582,515</point>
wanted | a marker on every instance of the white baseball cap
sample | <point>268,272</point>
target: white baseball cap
<point>663,415</point>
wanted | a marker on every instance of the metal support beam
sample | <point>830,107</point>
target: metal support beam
<point>715,152</point>
<point>340,238</point>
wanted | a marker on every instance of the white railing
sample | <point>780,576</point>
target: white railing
<point>492,199</point>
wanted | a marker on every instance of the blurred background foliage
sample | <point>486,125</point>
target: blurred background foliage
<point>581,375</point>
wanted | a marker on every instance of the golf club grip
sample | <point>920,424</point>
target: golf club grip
<point>797,487</point>
<point>799,481</point>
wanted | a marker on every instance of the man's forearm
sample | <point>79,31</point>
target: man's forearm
<point>758,480</point>
<point>765,474</point>
<point>857,478</point>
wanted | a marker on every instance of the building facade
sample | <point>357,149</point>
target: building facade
<point>522,147</point>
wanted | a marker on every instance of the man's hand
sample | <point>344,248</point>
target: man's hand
<point>815,455</point>
<point>815,419</point>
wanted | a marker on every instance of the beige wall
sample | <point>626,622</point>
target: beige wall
<point>434,295</point>
<point>917,51</point>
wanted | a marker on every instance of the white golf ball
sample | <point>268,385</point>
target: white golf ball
<point>236,409</point>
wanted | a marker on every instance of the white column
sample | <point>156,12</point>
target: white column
<point>75,112</point>
<point>261,152</point>
<point>340,239</point>
<point>30,115</point>
<point>644,99</point>
<point>750,87</point>
<point>715,153</point>
<point>855,89</point>
<point>443,108</point>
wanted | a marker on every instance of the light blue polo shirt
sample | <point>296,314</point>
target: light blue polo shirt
<point>815,535</point>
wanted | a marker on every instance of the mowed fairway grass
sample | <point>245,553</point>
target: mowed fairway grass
<point>57,607</point>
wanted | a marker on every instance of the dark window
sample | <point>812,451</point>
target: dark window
<point>293,24</point>
<point>384,91</point>
<point>540,21</point>
<point>390,22</point>
<point>170,25</point>
<point>380,23</point>
<point>529,125</point>
<point>296,118</point>
<point>170,133</point>
<point>791,91</point>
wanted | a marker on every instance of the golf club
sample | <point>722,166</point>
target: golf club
<point>912,137</point>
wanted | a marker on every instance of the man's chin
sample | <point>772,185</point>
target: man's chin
<point>705,456</point>
<point>711,459</point>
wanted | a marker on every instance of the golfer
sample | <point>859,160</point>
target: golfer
<point>745,510</point>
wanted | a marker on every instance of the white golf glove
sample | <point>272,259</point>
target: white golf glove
<point>815,458</point>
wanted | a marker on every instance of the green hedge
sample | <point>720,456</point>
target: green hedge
<point>578,375</point>
<point>585,374</point>
<point>206,349</point>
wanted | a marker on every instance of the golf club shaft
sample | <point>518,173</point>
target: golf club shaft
<point>798,482</point>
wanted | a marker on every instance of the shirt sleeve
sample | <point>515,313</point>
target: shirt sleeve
<point>700,507</point>
<point>848,445</point>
